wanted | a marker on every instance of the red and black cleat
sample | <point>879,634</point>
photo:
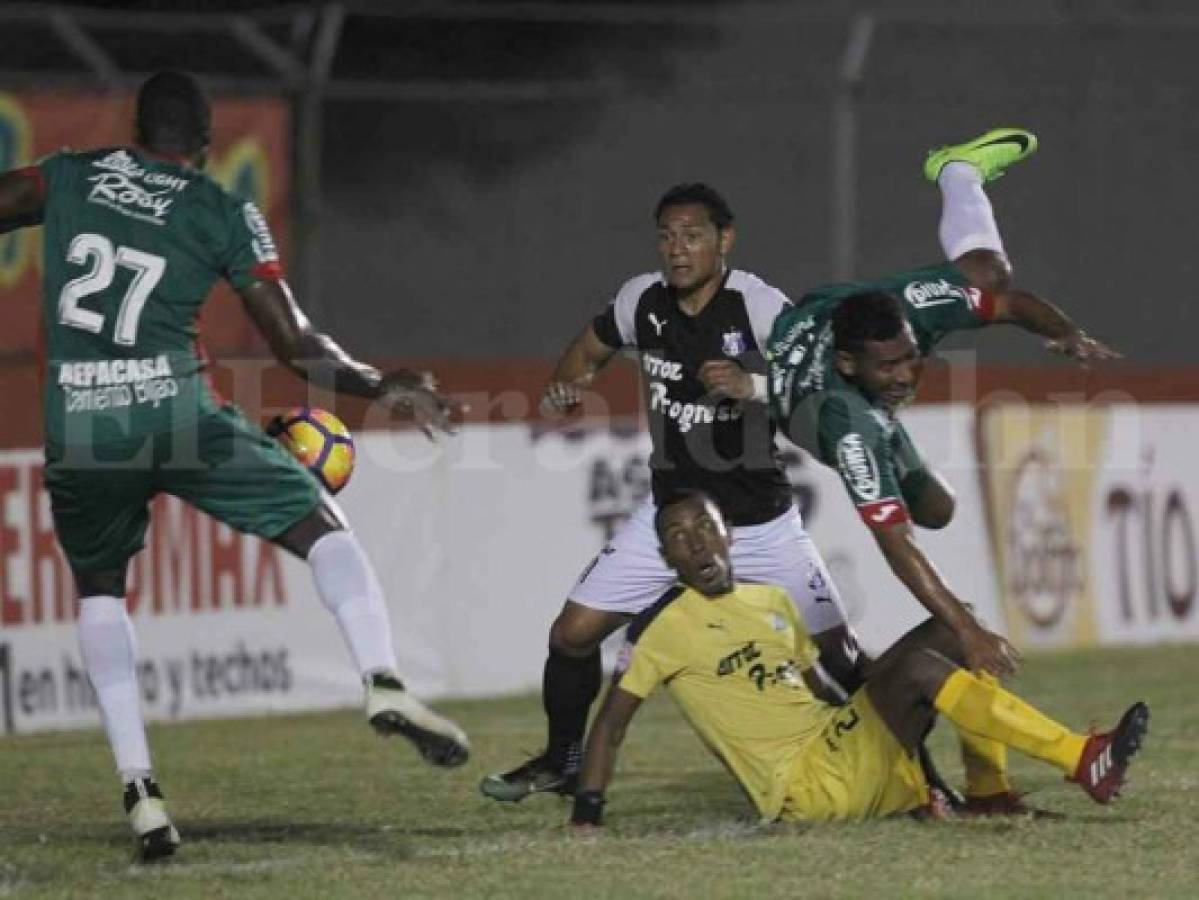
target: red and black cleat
<point>1105,757</point>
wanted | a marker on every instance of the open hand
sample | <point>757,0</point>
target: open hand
<point>989,652</point>
<point>560,398</point>
<point>416,393</point>
<point>1082,347</point>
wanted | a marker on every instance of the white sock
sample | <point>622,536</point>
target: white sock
<point>109,651</point>
<point>967,220</point>
<point>349,589</point>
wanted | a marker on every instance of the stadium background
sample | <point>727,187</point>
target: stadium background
<point>463,184</point>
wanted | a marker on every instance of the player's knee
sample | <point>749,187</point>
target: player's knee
<point>574,635</point>
<point>924,671</point>
<point>299,538</point>
<point>986,269</point>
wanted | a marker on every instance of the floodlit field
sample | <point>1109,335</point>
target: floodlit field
<point>316,806</point>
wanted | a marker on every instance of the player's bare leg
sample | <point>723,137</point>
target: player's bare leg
<point>347,585</point>
<point>570,684</point>
<point>913,686</point>
<point>988,790</point>
<point>108,647</point>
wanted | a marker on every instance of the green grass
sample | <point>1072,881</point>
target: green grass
<point>316,806</point>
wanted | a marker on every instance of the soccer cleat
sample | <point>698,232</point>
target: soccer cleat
<point>1005,803</point>
<point>537,776</point>
<point>390,709</point>
<point>156,836</point>
<point>990,153</point>
<point>1105,757</point>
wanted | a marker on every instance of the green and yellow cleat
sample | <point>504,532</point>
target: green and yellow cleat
<point>990,153</point>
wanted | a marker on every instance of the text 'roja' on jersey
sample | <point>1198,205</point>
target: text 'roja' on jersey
<point>723,446</point>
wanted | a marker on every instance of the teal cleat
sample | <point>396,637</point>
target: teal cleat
<point>990,153</point>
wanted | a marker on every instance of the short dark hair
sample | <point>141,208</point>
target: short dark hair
<point>682,495</point>
<point>868,316</point>
<point>697,192</point>
<point>173,113</point>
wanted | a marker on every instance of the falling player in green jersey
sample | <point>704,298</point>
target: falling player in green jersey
<point>135,238</point>
<point>848,357</point>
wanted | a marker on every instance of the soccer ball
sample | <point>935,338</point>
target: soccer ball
<point>320,442</point>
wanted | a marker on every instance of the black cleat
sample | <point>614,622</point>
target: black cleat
<point>537,776</point>
<point>156,836</point>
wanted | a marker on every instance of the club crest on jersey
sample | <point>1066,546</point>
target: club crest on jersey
<point>733,342</point>
<point>858,467</point>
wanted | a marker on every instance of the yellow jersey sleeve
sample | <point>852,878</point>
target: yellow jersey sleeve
<point>643,674</point>
<point>647,663</point>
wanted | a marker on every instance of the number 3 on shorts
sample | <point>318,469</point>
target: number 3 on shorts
<point>104,258</point>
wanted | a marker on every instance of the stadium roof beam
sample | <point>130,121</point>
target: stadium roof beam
<point>251,36</point>
<point>69,31</point>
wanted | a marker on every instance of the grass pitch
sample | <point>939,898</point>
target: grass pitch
<point>316,806</point>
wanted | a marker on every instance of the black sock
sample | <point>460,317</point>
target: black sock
<point>568,688</point>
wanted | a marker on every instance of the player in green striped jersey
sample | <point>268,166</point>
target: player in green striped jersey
<point>135,238</point>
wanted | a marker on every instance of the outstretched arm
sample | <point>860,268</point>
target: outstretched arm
<point>22,199</point>
<point>984,650</point>
<point>317,357</point>
<point>577,368</point>
<point>1037,315</point>
<point>599,761</point>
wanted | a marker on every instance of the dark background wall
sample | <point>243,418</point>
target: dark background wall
<point>488,228</point>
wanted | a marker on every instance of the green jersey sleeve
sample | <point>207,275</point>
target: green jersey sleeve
<point>939,300</point>
<point>251,254</point>
<point>854,441</point>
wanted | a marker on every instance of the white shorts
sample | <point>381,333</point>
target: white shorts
<point>628,574</point>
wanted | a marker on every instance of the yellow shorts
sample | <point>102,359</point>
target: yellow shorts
<point>853,769</point>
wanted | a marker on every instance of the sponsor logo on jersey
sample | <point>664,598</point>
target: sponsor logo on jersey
<point>99,384</point>
<point>262,243</point>
<point>789,337</point>
<point>732,342</point>
<point>118,188</point>
<point>658,324</point>
<point>882,513</point>
<point>923,294</point>
<point>656,367</point>
<point>688,414</point>
<point>858,467</point>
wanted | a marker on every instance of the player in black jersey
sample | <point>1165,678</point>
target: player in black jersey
<point>700,330</point>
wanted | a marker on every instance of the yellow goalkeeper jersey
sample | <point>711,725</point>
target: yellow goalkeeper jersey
<point>733,663</point>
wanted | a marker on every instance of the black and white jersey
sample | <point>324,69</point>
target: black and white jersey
<point>725,447</point>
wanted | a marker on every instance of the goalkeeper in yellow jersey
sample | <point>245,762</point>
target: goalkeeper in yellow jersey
<point>741,666</point>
